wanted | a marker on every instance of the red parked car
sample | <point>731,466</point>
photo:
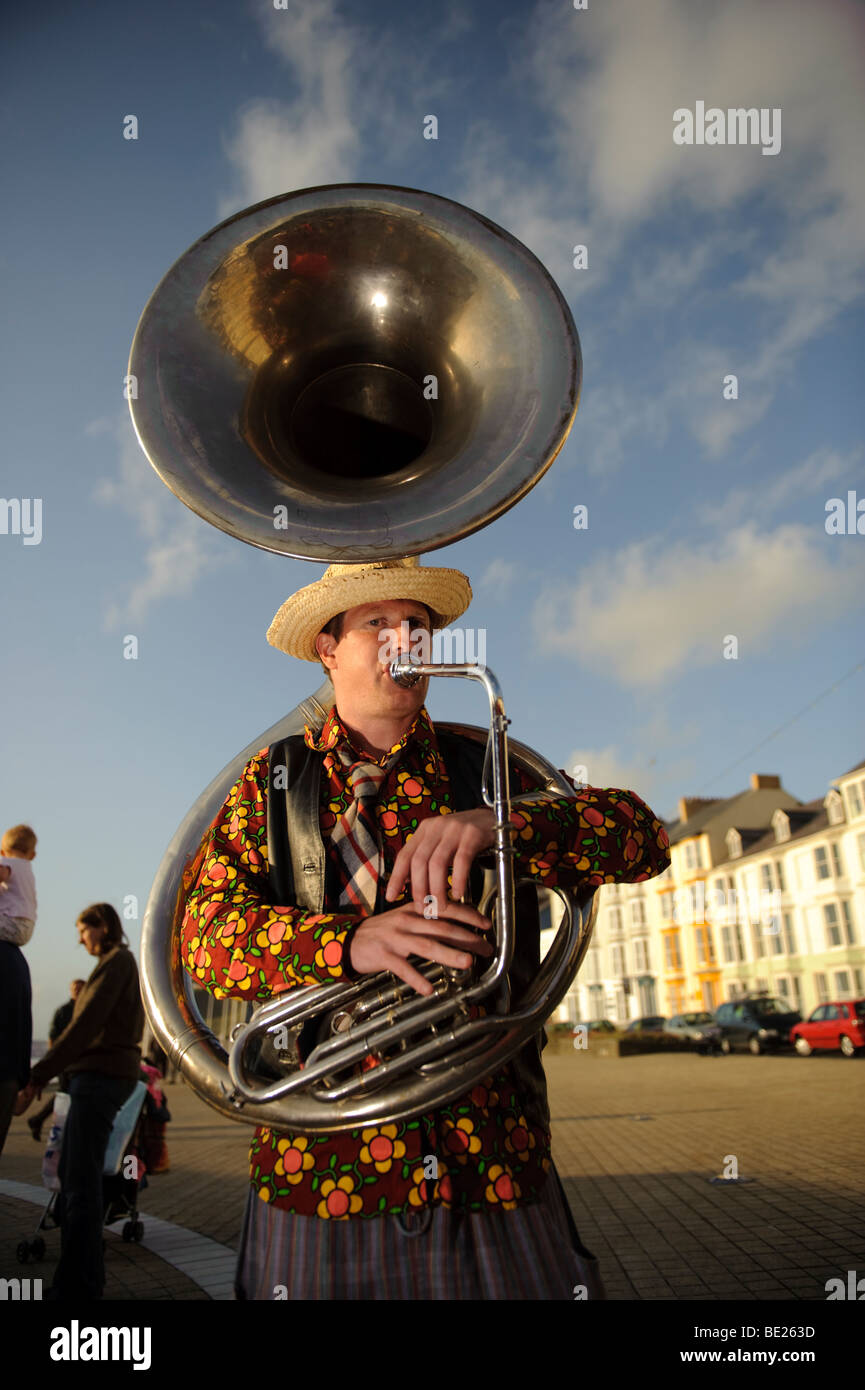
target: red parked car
<point>831,1026</point>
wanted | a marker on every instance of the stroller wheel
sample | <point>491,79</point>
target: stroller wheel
<point>22,1251</point>
<point>37,1248</point>
<point>128,1231</point>
<point>138,1231</point>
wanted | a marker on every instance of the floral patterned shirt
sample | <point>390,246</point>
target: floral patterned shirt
<point>235,942</point>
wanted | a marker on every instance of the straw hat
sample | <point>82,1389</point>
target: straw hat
<point>446,593</point>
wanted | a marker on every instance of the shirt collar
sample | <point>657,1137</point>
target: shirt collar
<point>333,733</point>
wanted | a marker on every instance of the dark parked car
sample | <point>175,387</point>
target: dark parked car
<point>595,1025</point>
<point>699,1028</point>
<point>831,1026</point>
<point>759,1022</point>
<point>654,1023</point>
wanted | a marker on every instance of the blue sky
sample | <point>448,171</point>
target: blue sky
<point>706,516</point>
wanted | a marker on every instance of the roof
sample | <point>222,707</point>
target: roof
<point>804,820</point>
<point>716,810</point>
<point>857,768</point>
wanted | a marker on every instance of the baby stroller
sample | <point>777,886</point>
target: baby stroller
<point>121,1181</point>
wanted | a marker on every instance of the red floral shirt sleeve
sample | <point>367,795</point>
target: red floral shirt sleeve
<point>604,836</point>
<point>234,942</point>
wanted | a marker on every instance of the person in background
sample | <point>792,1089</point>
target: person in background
<point>62,1016</point>
<point>100,1051</point>
<point>15,1030</point>
<point>17,885</point>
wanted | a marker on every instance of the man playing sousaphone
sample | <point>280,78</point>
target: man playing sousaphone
<point>463,1202</point>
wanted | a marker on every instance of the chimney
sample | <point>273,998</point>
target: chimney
<point>764,781</point>
<point>689,804</point>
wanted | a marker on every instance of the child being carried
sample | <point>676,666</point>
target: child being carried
<point>17,885</point>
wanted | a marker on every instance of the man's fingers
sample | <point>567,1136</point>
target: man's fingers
<point>460,875</point>
<point>448,913</point>
<point>401,968</point>
<point>441,954</point>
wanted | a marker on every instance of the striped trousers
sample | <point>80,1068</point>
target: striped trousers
<point>532,1252</point>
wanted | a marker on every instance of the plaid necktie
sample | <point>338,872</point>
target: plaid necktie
<point>356,834</point>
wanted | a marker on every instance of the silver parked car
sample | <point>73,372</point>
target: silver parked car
<point>699,1028</point>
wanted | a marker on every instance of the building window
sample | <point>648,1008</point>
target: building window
<point>693,857</point>
<point>615,919</point>
<point>667,905</point>
<point>789,934</point>
<point>777,943</point>
<point>781,826</point>
<point>758,939</point>
<point>857,980</point>
<point>848,922</point>
<point>854,799</point>
<point>834,808</point>
<point>766,877</point>
<point>641,954</point>
<point>618,958</point>
<point>797,990</point>
<point>647,996</point>
<point>596,1003</point>
<point>842,983</point>
<point>727,945</point>
<point>638,913</point>
<point>860,841</point>
<point>836,861</point>
<point>779,876</point>
<point>671,952</point>
<point>821,862</point>
<point>783,986</point>
<point>833,929</point>
<point>821,988</point>
<point>740,940</point>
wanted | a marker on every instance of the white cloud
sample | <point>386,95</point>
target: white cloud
<point>499,575</point>
<point>178,546</point>
<point>657,607</point>
<point>352,86</point>
<point>822,470</point>
<point>608,80</point>
<point>606,767</point>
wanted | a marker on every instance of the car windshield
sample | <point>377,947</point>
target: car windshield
<point>771,1006</point>
<point>696,1018</point>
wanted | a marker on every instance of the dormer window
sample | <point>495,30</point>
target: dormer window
<point>781,826</point>
<point>834,807</point>
<point>734,843</point>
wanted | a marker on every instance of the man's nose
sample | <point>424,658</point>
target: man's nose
<point>396,642</point>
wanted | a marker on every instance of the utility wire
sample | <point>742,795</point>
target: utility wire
<point>782,727</point>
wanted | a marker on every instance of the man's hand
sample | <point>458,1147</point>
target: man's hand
<point>26,1097</point>
<point>5,872</point>
<point>438,843</point>
<point>385,942</point>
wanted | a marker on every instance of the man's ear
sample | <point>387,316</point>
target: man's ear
<point>325,645</point>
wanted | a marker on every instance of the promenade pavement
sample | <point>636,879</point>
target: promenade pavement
<point>636,1141</point>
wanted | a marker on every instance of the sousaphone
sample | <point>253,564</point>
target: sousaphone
<point>343,374</point>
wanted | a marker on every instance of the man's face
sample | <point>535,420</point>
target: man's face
<point>372,636</point>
